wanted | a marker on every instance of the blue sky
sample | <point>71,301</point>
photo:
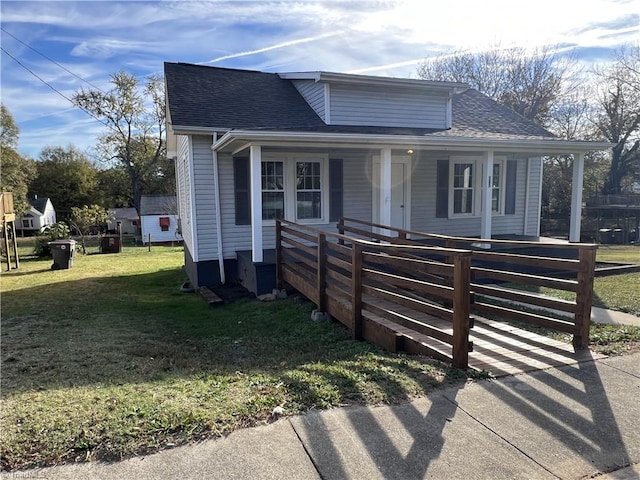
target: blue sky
<point>90,40</point>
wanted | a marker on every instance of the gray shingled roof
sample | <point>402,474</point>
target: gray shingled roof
<point>225,98</point>
<point>158,205</point>
<point>40,204</point>
<point>126,213</point>
<point>212,97</point>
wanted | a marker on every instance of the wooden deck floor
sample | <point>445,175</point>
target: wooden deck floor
<point>499,348</point>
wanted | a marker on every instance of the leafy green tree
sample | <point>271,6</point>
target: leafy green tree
<point>9,131</point>
<point>87,219</point>
<point>17,171</point>
<point>114,187</point>
<point>67,177</point>
<point>135,117</point>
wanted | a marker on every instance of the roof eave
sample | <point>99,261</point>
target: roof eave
<point>541,146</point>
<point>353,79</point>
<point>191,130</point>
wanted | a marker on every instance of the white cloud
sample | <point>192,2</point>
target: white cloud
<point>277,46</point>
<point>97,39</point>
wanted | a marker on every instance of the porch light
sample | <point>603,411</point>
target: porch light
<point>410,151</point>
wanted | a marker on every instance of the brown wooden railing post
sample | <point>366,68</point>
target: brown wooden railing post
<point>279,282</point>
<point>450,243</point>
<point>356,290</point>
<point>402,235</point>
<point>341,230</point>
<point>584,296</point>
<point>322,272</point>
<point>461,307</point>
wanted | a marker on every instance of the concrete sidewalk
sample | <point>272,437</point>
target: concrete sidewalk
<point>612,317</point>
<point>574,422</point>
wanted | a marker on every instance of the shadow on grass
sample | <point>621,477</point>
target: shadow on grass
<point>22,274</point>
<point>141,328</point>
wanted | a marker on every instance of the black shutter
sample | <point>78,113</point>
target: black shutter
<point>510,191</point>
<point>242,192</point>
<point>335,189</point>
<point>442,189</point>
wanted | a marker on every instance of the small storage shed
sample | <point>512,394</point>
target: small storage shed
<point>128,218</point>
<point>159,219</point>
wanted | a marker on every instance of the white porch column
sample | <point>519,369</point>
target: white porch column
<point>255,170</point>
<point>487,189</point>
<point>576,197</point>
<point>385,187</point>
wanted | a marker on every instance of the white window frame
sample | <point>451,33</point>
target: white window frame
<point>284,185</point>
<point>290,191</point>
<point>477,186</point>
<point>502,162</point>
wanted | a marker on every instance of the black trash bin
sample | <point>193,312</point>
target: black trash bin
<point>62,251</point>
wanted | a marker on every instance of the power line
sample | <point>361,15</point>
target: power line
<point>51,60</point>
<point>53,88</point>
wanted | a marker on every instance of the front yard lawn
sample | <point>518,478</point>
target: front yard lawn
<point>109,359</point>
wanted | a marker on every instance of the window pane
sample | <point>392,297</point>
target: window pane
<point>272,176</point>
<point>496,175</point>
<point>463,200</point>
<point>463,175</point>
<point>495,200</point>
<point>308,190</point>
<point>272,205</point>
<point>308,205</point>
<point>272,190</point>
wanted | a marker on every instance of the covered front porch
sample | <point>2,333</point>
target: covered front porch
<point>465,190</point>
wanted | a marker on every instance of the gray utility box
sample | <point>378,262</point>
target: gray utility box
<point>62,251</point>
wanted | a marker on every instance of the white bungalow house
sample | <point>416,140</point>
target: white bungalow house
<point>40,215</point>
<point>159,219</point>
<point>311,147</point>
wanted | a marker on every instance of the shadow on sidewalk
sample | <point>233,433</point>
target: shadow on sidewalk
<point>563,418</point>
<point>549,423</point>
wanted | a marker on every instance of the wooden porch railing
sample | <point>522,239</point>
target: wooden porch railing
<point>376,289</point>
<point>525,265</point>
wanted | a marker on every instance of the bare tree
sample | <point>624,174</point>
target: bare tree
<point>135,117</point>
<point>528,83</point>
<point>619,117</point>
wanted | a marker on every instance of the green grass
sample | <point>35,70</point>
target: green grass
<point>616,292</point>
<point>109,359</point>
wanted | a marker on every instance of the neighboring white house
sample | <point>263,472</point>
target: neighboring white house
<point>41,214</point>
<point>128,219</point>
<point>311,147</point>
<point>159,218</point>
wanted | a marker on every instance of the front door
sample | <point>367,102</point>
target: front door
<point>400,181</point>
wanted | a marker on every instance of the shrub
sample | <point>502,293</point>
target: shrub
<point>53,232</point>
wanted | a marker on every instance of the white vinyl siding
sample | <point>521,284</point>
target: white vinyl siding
<point>205,197</point>
<point>423,202</point>
<point>389,107</point>
<point>313,93</point>
<point>183,168</point>
<point>150,225</point>
<point>356,200</point>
